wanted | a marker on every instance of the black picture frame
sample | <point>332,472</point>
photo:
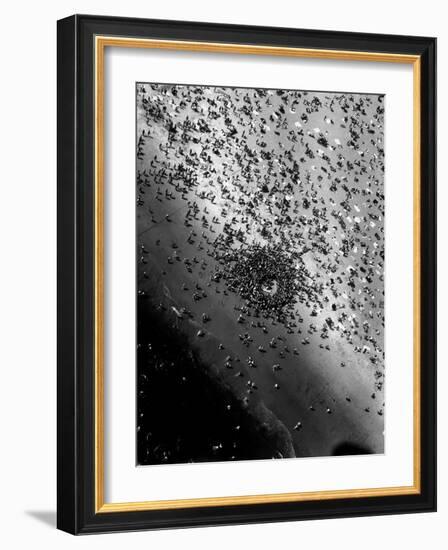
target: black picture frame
<point>76,285</point>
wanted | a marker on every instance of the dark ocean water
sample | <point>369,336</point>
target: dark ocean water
<point>184,414</point>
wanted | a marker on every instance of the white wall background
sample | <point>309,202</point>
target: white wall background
<point>28,273</point>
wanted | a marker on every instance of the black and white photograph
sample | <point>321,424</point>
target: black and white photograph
<point>260,254</point>
<point>220,259</point>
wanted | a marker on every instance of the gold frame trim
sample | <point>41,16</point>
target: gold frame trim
<point>101,42</point>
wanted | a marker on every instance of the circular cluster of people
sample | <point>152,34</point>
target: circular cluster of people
<point>265,276</point>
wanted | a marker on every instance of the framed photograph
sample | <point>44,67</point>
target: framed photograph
<point>246,271</point>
